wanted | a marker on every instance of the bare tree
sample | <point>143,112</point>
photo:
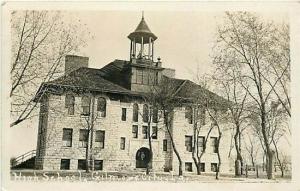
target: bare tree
<point>226,80</point>
<point>218,115</point>
<point>40,41</point>
<point>246,42</point>
<point>166,101</point>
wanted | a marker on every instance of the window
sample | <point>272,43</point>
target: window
<point>201,141</point>
<point>86,101</point>
<point>139,76</point>
<point>65,164</point>
<point>156,78</point>
<point>202,116</point>
<point>145,77</point>
<point>145,113</point>
<point>202,167</point>
<point>81,164</point>
<point>165,145</point>
<point>101,106</point>
<point>67,137</point>
<point>155,115</point>
<point>123,118</point>
<point>122,143</point>
<point>188,143</point>
<point>99,139</point>
<point>154,132</point>
<point>83,137</point>
<point>214,144</point>
<point>145,132</point>
<point>69,103</point>
<point>213,167</point>
<point>188,167</point>
<point>151,77</point>
<point>135,131</point>
<point>98,164</point>
<point>189,114</point>
<point>135,115</point>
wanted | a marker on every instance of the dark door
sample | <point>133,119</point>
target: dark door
<point>143,157</point>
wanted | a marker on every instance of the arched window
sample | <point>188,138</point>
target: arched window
<point>189,114</point>
<point>145,113</point>
<point>101,106</point>
<point>135,115</point>
<point>155,115</point>
<point>69,103</point>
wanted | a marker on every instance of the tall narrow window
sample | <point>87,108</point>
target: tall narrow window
<point>145,113</point>
<point>202,116</point>
<point>189,114</point>
<point>86,101</point>
<point>69,103</point>
<point>188,143</point>
<point>156,79</point>
<point>145,77</point>
<point>201,141</point>
<point>101,106</point>
<point>123,118</point>
<point>99,139</point>
<point>67,137</point>
<point>83,137</point>
<point>122,143</point>
<point>135,131</point>
<point>154,132</point>
<point>145,132</point>
<point>135,115</point>
<point>165,145</point>
<point>214,144</point>
<point>139,76</point>
<point>155,115</point>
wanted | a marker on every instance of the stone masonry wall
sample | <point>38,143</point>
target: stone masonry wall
<point>115,159</point>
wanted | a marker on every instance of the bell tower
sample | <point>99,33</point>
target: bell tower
<point>144,72</point>
<point>142,42</point>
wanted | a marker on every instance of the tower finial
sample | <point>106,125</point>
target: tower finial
<point>142,14</point>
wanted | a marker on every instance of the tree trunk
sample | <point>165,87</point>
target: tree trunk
<point>218,153</point>
<point>150,145</point>
<point>168,126</point>
<point>238,163</point>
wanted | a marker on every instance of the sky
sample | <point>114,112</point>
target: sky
<point>185,41</point>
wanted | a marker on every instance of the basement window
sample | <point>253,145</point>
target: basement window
<point>65,164</point>
<point>188,167</point>
<point>98,164</point>
<point>81,164</point>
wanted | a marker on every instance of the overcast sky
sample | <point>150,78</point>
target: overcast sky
<point>185,41</point>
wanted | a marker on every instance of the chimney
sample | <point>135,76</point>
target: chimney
<point>73,62</point>
<point>169,72</point>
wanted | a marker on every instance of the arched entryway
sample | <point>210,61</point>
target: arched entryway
<point>142,157</point>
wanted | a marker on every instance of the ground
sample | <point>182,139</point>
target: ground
<point>100,176</point>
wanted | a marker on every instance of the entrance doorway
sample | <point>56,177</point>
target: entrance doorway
<point>142,157</point>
